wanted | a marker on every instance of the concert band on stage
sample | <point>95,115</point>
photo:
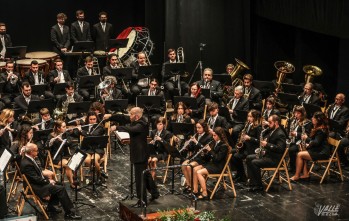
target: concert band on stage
<point>236,117</point>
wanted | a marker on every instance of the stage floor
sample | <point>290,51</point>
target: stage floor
<point>307,201</point>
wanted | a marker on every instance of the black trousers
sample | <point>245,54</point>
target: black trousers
<point>59,194</point>
<point>292,152</point>
<point>254,166</point>
<point>341,150</point>
<point>148,182</point>
<point>237,161</point>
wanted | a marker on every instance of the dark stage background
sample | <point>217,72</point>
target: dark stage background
<point>257,32</point>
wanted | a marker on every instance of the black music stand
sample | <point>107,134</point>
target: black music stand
<point>310,109</point>
<point>38,89</point>
<point>334,126</point>
<point>5,158</point>
<point>185,129</point>
<point>224,111</point>
<point>89,81</point>
<point>16,52</point>
<point>41,134</point>
<point>59,88</point>
<point>36,106</point>
<point>116,105</point>
<point>206,93</point>
<point>2,84</point>
<point>224,79</point>
<point>176,69</point>
<point>151,71</point>
<point>292,88</point>
<point>149,103</point>
<point>290,99</point>
<point>122,73</point>
<point>78,107</point>
<point>83,46</point>
<point>189,101</point>
<point>94,142</point>
<point>266,87</point>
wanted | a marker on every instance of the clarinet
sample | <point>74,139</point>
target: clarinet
<point>186,144</point>
<point>260,150</point>
<point>199,152</point>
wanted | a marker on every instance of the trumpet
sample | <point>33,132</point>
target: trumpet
<point>201,150</point>
<point>13,78</point>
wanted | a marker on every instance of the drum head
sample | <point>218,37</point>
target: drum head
<point>131,41</point>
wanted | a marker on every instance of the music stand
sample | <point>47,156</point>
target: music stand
<point>41,134</point>
<point>266,87</point>
<point>292,88</point>
<point>95,142</point>
<point>117,43</point>
<point>59,88</point>
<point>185,129</point>
<point>19,112</point>
<point>5,158</point>
<point>224,111</point>
<point>206,93</point>
<point>290,99</point>
<point>223,79</point>
<point>122,73</point>
<point>310,109</point>
<point>83,46</point>
<point>38,89</point>
<point>116,105</point>
<point>36,106</point>
<point>148,102</point>
<point>148,71</point>
<point>16,52</point>
<point>78,107</point>
<point>175,69</point>
<point>190,102</point>
<point>89,81</point>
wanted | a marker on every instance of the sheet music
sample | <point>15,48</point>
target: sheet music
<point>5,157</point>
<point>122,135</point>
<point>75,161</point>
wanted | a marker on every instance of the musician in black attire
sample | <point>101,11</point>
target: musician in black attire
<point>58,75</point>
<point>253,95</point>
<point>295,128</point>
<point>317,147</point>
<point>159,144</point>
<point>274,143</point>
<point>154,90</point>
<point>249,141</point>
<point>170,81</point>
<point>60,35</point>
<point>23,100</point>
<point>93,128</point>
<point>179,115</point>
<point>194,91</point>
<point>141,61</point>
<point>102,32</point>
<point>80,29</point>
<point>216,156</point>
<point>193,145</point>
<point>269,110</point>
<point>214,119</point>
<point>4,39</point>
<point>238,102</point>
<point>207,82</point>
<point>308,96</point>
<point>139,153</point>
<point>12,84</point>
<point>339,113</point>
<point>87,70</point>
<point>45,188</point>
<point>8,129</point>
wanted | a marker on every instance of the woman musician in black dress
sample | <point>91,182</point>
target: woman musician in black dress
<point>316,146</point>
<point>8,129</point>
<point>247,143</point>
<point>159,144</point>
<point>192,146</point>
<point>93,128</point>
<point>179,115</point>
<point>216,157</point>
<point>54,142</point>
<point>195,92</point>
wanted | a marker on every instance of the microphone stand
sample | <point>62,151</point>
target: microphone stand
<point>199,64</point>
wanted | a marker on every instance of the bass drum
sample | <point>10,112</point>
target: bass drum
<point>138,40</point>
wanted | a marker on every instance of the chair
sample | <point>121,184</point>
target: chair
<point>221,177</point>
<point>168,161</point>
<point>29,194</point>
<point>107,127</point>
<point>333,159</point>
<point>53,167</point>
<point>17,178</point>
<point>282,166</point>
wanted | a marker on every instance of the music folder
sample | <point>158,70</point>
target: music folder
<point>17,52</point>
<point>116,105</point>
<point>310,109</point>
<point>206,92</point>
<point>41,134</point>
<point>122,73</point>
<point>77,159</point>
<point>78,107</point>
<point>84,46</point>
<point>89,81</point>
<point>190,102</point>
<point>175,68</point>
<point>185,129</point>
<point>150,71</point>
<point>38,89</point>
<point>148,102</point>
<point>59,88</point>
<point>266,87</point>
<point>36,106</point>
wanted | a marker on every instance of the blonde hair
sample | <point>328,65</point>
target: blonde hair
<point>5,115</point>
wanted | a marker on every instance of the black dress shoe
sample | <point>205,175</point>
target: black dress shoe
<point>256,189</point>
<point>138,204</point>
<point>72,215</point>
<point>239,179</point>
<point>53,209</point>
<point>154,197</point>
<point>104,175</point>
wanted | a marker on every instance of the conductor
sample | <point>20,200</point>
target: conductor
<point>139,153</point>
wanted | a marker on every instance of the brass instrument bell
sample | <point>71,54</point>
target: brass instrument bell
<point>311,71</point>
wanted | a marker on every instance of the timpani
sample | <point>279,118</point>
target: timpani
<point>44,55</point>
<point>23,65</point>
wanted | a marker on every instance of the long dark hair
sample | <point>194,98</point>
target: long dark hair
<point>222,136</point>
<point>204,124</point>
<point>22,135</point>
<point>322,123</point>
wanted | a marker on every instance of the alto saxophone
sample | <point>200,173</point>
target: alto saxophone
<point>260,151</point>
<point>241,141</point>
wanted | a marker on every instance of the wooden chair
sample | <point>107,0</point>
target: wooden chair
<point>53,167</point>
<point>282,166</point>
<point>17,178</point>
<point>107,127</point>
<point>205,112</point>
<point>333,159</point>
<point>29,194</point>
<point>168,161</point>
<point>221,177</point>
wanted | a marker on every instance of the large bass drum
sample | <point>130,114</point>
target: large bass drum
<point>138,40</point>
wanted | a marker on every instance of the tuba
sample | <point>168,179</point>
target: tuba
<point>283,68</point>
<point>311,71</point>
<point>240,66</point>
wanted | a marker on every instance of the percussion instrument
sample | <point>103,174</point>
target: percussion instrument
<point>24,65</point>
<point>138,40</point>
<point>44,55</point>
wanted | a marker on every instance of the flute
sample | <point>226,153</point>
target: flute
<point>186,144</point>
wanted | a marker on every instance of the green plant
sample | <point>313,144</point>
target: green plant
<point>187,215</point>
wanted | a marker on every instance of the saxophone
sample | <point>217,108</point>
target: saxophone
<point>260,151</point>
<point>241,141</point>
<point>302,146</point>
